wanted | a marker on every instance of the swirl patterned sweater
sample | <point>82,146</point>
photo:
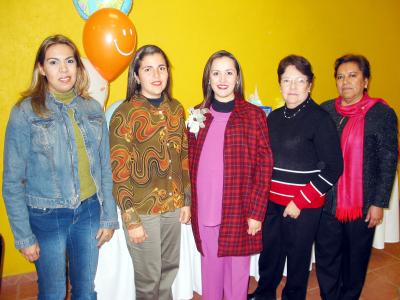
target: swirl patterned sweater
<point>149,158</point>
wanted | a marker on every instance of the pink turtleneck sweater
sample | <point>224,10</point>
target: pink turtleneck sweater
<point>210,177</point>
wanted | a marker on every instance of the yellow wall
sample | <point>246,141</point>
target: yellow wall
<point>258,32</point>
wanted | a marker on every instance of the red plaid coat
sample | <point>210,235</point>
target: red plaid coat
<point>247,174</point>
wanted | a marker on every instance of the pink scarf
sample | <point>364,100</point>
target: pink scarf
<point>350,184</point>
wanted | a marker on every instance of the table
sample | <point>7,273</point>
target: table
<point>388,230</point>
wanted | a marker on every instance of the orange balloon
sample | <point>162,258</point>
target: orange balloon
<point>109,40</point>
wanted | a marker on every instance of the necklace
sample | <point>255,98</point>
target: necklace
<point>296,113</point>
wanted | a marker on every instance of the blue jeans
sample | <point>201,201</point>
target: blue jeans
<point>67,234</point>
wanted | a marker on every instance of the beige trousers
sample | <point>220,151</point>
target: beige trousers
<point>156,260</point>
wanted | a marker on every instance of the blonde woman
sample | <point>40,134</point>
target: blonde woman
<point>57,182</point>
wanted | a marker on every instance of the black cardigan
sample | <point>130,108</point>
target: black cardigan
<point>380,155</point>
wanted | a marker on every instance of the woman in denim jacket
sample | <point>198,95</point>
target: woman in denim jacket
<point>57,182</point>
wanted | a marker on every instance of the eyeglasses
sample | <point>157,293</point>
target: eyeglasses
<point>299,81</point>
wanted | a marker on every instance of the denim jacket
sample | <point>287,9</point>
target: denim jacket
<point>41,166</point>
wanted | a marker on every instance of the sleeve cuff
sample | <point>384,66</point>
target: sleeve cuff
<point>257,212</point>
<point>21,244</point>
<point>130,216</point>
<point>188,197</point>
<point>306,196</point>
<point>109,224</point>
<point>380,204</point>
<point>256,217</point>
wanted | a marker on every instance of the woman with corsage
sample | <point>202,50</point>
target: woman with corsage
<point>230,167</point>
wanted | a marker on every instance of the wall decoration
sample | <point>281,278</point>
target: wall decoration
<point>86,8</point>
<point>98,88</point>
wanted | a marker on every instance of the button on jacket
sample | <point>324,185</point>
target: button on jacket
<point>149,158</point>
<point>41,165</point>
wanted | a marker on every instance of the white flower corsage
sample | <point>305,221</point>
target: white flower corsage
<point>196,119</point>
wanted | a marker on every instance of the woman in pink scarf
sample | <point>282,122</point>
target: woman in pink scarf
<point>368,130</point>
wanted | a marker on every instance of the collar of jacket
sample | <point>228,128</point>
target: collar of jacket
<point>52,102</point>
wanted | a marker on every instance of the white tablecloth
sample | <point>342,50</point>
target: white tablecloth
<point>115,279</point>
<point>388,231</point>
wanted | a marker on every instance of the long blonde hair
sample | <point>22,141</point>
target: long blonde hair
<point>39,85</point>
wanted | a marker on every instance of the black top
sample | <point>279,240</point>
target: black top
<point>222,106</point>
<point>305,146</point>
<point>380,155</point>
<point>156,101</point>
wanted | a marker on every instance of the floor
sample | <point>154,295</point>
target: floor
<point>383,280</point>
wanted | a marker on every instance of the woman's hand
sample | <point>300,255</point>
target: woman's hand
<point>291,210</point>
<point>185,215</point>
<point>374,216</point>
<point>254,226</point>
<point>104,235</point>
<point>137,234</point>
<point>31,253</point>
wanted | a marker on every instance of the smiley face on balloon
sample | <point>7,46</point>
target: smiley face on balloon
<point>109,40</point>
<point>125,32</point>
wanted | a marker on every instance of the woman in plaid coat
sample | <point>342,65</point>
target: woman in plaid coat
<point>230,167</point>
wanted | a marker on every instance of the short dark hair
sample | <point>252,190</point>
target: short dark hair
<point>208,93</point>
<point>134,88</point>
<point>300,63</point>
<point>360,60</point>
